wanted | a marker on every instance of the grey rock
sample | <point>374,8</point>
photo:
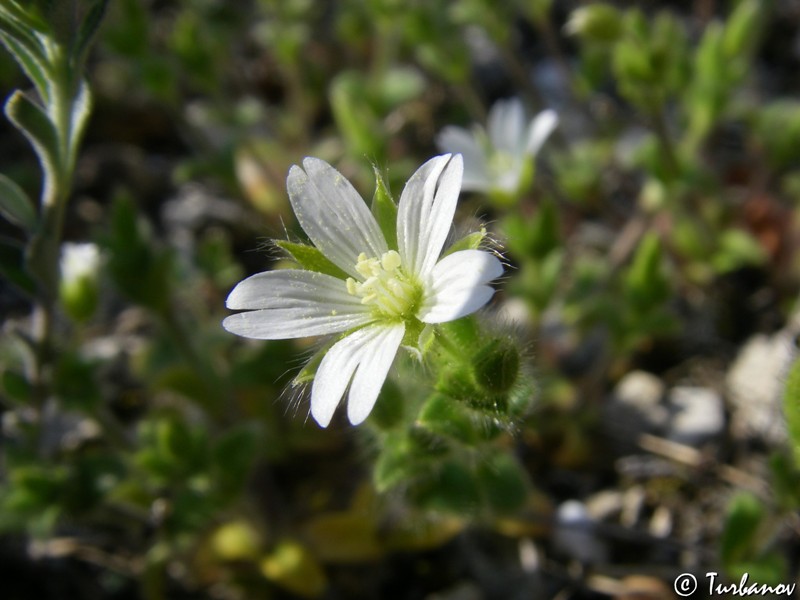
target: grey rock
<point>635,407</point>
<point>698,415</point>
<point>755,384</point>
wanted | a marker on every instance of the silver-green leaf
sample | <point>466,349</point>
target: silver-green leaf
<point>16,206</point>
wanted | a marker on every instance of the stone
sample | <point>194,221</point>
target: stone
<point>634,407</point>
<point>754,385</point>
<point>697,415</point>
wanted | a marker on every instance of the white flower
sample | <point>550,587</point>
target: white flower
<point>388,295</point>
<point>499,160</point>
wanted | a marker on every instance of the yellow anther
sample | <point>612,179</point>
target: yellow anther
<point>385,287</point>
<point>390,260</point>
<point>352,286</point>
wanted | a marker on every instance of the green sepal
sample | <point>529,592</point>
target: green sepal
<point>470,241</point>
<point>16,206</point>
<point>310,258</point>
<point>309,371</point>
<point>384,209</point>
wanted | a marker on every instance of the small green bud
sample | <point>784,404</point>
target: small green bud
<point>496,365</point>
<point>601,23</point>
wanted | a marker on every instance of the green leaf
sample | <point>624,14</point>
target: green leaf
<point>454,489</point>
<point>34,124</point>
<point>503,483</point>
<point>445,416</point>
<point>88,29</point>
<point>737,248</point>
<point>384,209</point>
<point>17,386</point>
<point>12,265</point>
<point>645,282</point>
<point>28,57</point>
<point>743,28</point>
<point>233,456</point>
<point>79,115</point>
<point>791,407</point>
<point>15,205</point>
<point>74,382</point>
<point>396,463</point>
<point>739,537</point>
<point>310,258</point>
<point>11,9</point>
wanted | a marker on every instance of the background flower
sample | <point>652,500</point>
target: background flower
<point>498,159</point>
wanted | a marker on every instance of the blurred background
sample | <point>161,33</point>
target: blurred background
<point>652,282</point>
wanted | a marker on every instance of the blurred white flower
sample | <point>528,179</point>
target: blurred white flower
<point>79,260</point>
<point>498,159</point>
<point>389,295</point>
<point>80,271</point>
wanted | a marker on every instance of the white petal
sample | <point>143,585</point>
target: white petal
<point>287,323</point>
<point>457,140</point>
<point>378,356</point>
<point>334,374</point>
<point>340,362</point>
<point>289,288</point>
<point>293,304</point>
<point>540,129</point>
<point>506,125</point>
<point>333,215</point>
<point>426,210</point>
<point>458,285</point>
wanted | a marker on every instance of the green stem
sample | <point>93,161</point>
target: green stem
<point>44,252</point>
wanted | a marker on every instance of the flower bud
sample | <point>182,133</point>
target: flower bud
<point>496,366</point>
<point>596,23</point>
<point>80,267</point>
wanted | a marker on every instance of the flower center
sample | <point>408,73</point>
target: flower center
<point>386,287</point>
<point>503,168</point>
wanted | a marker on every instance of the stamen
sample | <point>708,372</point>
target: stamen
<point>385,285</point>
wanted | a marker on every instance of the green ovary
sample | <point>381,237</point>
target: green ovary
<point>386,287</point>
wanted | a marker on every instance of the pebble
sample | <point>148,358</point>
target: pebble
<point>697,415</point>
<point>635,406</point>
<point>755,383</point>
